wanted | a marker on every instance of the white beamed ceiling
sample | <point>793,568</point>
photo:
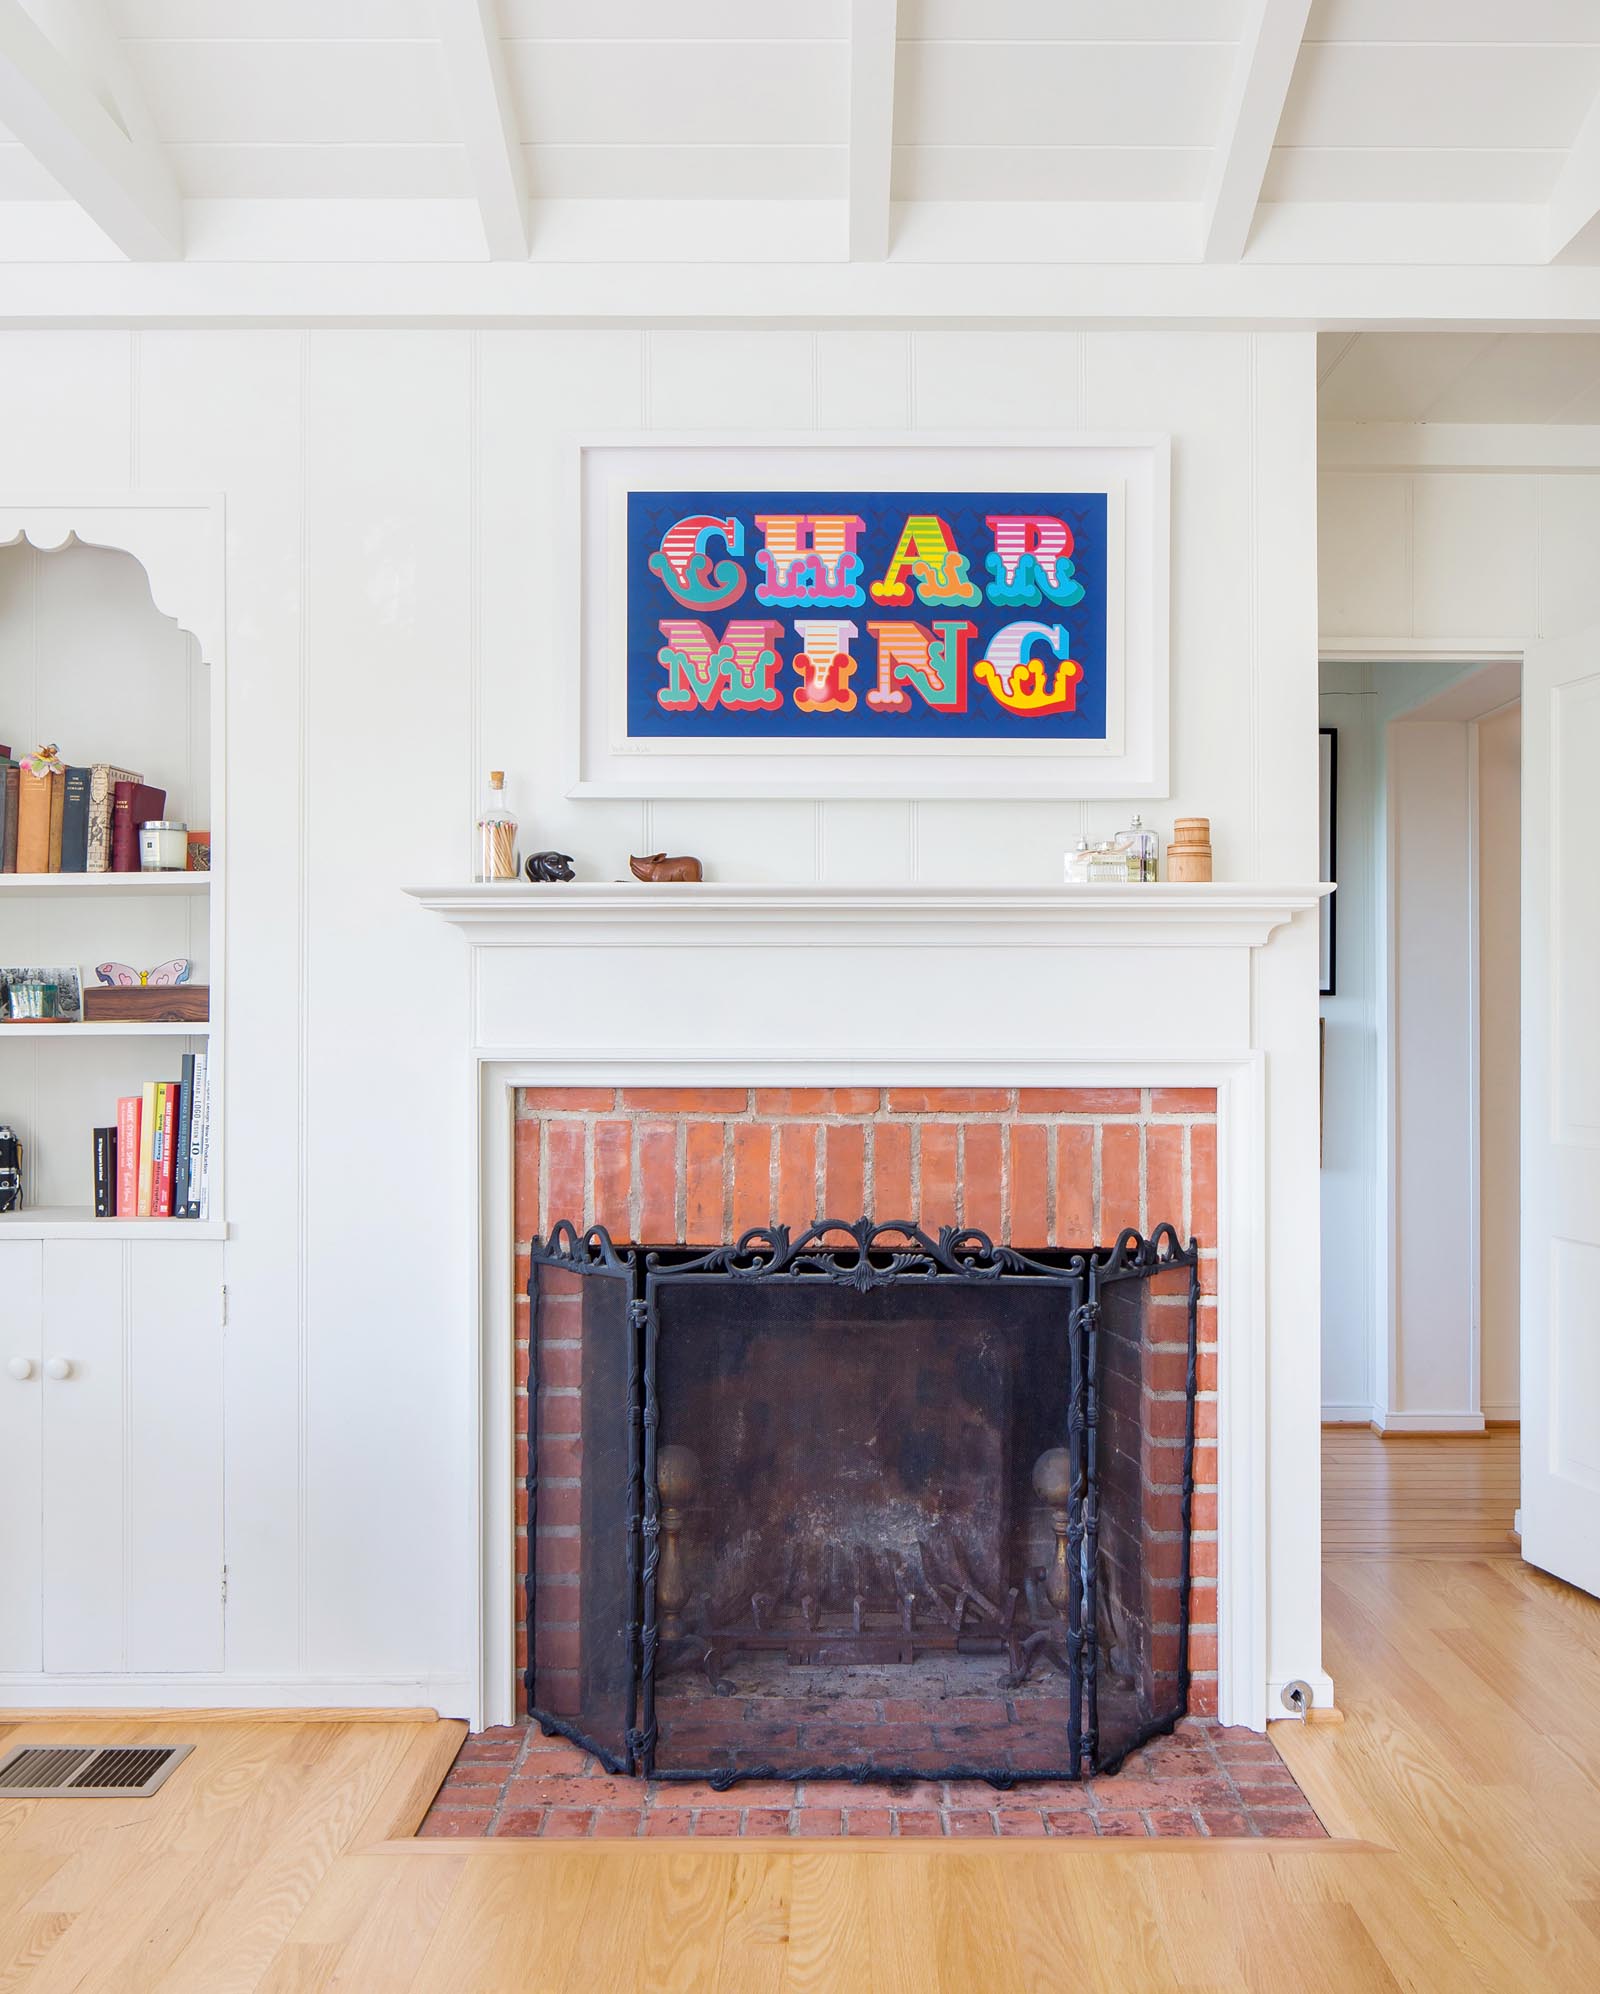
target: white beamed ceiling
<point>1056,132</point>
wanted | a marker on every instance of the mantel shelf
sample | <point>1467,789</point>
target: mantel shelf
<point>722,913</point>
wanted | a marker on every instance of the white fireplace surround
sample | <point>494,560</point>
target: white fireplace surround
<point>723,984</point>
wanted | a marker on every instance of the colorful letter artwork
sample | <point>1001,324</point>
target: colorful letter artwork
<point>821,616</point>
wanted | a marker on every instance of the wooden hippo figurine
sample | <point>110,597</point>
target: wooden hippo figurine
<point>659,867</point>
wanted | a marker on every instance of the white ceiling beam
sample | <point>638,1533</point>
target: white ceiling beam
<point>469,32</point>
<point>122,182</point>
<point>1269,44</point>
<point>1575,198</point>
<point>872,46</point>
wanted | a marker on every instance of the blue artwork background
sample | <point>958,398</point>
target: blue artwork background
<point>650,514</point>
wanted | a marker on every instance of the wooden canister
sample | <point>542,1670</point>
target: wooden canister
<point>1189,854</point>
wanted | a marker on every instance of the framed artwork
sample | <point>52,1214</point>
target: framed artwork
<point>1328,848</point>
<point>912,616</point>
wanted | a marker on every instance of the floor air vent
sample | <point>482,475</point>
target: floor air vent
<point>104,1772</point>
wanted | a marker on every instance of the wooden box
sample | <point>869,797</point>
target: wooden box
<point>147,1004</point>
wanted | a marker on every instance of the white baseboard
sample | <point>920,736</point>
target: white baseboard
<point>1429,1422</point>
<point>446,1694</point>
<point>1347,1415</point>
<point>1504,1415</point>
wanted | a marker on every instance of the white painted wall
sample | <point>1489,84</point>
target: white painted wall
<point>393,617</point>
<point>1499,1046</point>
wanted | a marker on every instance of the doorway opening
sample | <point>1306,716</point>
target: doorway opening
<point>1421,1040</point>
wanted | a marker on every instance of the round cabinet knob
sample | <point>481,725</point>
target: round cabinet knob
<point>58,1367</point>
<point>21,1368</point>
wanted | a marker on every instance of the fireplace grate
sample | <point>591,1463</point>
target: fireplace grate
<point>101,1772</point>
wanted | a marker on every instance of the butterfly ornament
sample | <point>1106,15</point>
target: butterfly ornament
<point>121,975</point>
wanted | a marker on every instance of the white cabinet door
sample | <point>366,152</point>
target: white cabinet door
<point>174,1522</point>
<point>84,1510</point>
<point>21,1415</point>
<point>132,1457</point>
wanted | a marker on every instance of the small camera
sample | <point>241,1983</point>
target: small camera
<point>10,1169</point>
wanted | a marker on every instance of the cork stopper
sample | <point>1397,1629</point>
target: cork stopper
<point>497,778</point>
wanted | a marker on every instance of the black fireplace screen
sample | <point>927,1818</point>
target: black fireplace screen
<point>860,1503</point>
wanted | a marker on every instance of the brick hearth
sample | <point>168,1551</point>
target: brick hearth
<point>1204,1780</point>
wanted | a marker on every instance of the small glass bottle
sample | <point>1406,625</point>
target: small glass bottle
<point>1077,864</point>
<point>1141,847</point>
<point>496,850</point>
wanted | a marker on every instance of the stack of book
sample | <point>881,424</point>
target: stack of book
<point>74,819</point>
<point>155,1163</point>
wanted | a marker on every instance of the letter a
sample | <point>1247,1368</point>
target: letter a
<point>927,551</point>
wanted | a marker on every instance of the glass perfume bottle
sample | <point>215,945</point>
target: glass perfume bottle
<point>496,846</point>
<point>1141,849</point>
<point>1077,864</point>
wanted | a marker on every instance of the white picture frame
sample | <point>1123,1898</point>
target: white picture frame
<point>1132,761</point>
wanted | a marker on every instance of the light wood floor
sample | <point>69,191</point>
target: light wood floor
<point>1466,1781</point>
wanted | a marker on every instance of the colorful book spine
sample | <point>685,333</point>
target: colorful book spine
<point>105,1173</point>
<point>147,1150</point>
<point>128,1113</point>
<point>199,1113</point>
<point>166,1121</point>
<point>103,778</point>
<point>203,1203</point>
<point>180,1179</point>
<point>34,809</point>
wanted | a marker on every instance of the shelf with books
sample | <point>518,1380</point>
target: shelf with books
<point>111,646</point>
<point>79,1222</point>
<point>131,885</point>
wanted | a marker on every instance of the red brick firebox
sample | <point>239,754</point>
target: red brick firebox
<point>1030,1166</point>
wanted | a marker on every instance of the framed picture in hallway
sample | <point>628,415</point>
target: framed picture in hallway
<point>1328,848</point>
<point>814,616</point>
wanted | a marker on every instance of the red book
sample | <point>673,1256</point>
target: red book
<point>128,1157</point>
<point>166,1137</point>
<point>132,804</point>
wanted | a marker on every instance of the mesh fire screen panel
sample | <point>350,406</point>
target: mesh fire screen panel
<point>857,1503</point>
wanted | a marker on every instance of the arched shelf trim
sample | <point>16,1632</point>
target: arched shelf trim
<point>177,541</point>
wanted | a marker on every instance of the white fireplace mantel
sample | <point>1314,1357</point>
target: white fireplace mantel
<point>626,912</point>
<point>728,984</point>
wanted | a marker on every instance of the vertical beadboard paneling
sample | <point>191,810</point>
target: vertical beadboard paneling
<point>997,380</point>
<point>1569,575</point>
<point>175,1445</point>
<point>64,412</point>
<point>730,380</point>
<point>221,411</point>
<point>1280,684</point>
<point>1363,554</point>
<point>1476,559</point>
<point>388,498</point>
<point>536,390</point>
<point>863,380</point>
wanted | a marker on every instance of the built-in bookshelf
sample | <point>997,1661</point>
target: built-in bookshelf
<point>91,663</point>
